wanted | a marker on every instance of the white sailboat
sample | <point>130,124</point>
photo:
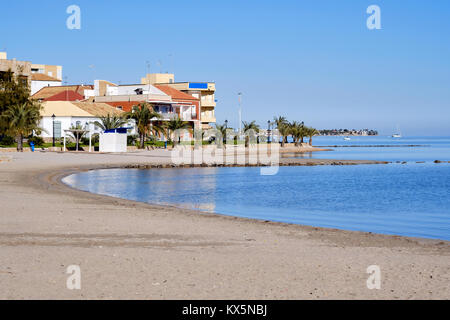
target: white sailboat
<point>347,138</point>
<point>398,134</point>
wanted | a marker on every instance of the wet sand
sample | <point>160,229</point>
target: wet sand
<point>132,250</point>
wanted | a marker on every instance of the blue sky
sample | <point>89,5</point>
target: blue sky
<point>313,61</point>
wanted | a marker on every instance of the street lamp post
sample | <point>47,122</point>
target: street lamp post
<point>240,114</point>
<point>224,138</point>
<point>53,119</point>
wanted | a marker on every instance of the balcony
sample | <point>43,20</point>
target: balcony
<point>208,118</point>
<point>208,103</point>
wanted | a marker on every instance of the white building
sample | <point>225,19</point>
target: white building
<point>40,80</point>
<point>68,114</point>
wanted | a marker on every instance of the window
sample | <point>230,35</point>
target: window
<point>119,107</point>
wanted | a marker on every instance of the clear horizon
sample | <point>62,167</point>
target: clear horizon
<point>314,61</point>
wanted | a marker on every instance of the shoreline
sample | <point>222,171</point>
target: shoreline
<point>165,228</point>
<point>63,174</point>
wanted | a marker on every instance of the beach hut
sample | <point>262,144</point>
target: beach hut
<point>114,140</point>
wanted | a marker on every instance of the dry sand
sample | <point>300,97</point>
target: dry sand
<point>130,250</point>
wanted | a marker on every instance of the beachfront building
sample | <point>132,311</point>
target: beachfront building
<point>58,116</point>
<point>168,102</point>
<point>204,91</point>
<point>19,68</point>
<point>37,76</point>
<point>40,80</point>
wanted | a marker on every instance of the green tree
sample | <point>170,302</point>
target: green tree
<point>14,91</point>
<point>78,133</point>
<point>21,120</point>
<point>222,129</point>
<point>110,121</point>
<point>283,128</point>
<point>142,114</point>
<point>249,126</point>
<point>174,125</point>
<point>297,130</point>
<point>311,132</point>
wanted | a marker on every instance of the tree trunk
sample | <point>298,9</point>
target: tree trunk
<point>141,140</point>
<point>282,142</point>
<point>310,141</point>
<point>20,143</point>
<point>78,141</point>
<point>247,138</point>
<point>302,140</point>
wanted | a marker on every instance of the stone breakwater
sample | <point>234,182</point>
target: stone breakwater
<point>291,162</point>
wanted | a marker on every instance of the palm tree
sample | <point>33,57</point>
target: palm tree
<point>297,130</point>
<point>249,126</point>
<point>109,122</point>
<point>278,121</point>
<point>142,114</point>
<point>311,132</point>
<point>223,132</point>
<point>78,133</point>
<point>283,128</point>
<point>174,125</point>
<point>21,120</point>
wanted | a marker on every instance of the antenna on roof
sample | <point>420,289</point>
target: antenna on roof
<point>148,66</point>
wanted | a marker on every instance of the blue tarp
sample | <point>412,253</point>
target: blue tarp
<point>118,130</point>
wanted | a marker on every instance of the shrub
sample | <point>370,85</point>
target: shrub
<point>7,141</point>
<point>131,139</point>
<point>85,140</point>
<point>38,141</point>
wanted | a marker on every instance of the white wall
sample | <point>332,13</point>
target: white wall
<point>38,85</point>
<point>113,142</point>
<point>67,122</point>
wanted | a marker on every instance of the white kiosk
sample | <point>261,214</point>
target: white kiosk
<point>113,140</point>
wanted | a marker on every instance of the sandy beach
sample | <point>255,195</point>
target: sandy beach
<point>131,250</point>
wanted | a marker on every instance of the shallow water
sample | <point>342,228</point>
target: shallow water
<point>410,200</point>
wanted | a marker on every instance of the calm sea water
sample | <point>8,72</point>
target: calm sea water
<point>410,199</point>
<point>387,148</point>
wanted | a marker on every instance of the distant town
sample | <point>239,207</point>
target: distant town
<point>348,132</point>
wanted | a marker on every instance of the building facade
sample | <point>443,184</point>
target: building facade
<point>204,91</point>
<point>168,102</point>
<point>37,76</point>
<point>70,114</point>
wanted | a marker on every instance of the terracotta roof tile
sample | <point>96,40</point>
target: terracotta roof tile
<point>47,92</point>
<point>67,95</point>
<point>42,77</point>
<point>97,108</point>
<point>174,93</point>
